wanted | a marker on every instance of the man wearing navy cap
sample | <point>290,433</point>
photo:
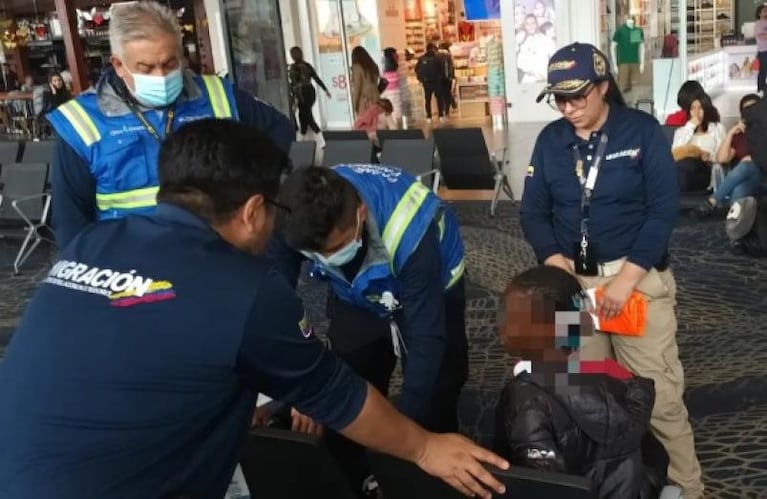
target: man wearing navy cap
<point>600,201</point>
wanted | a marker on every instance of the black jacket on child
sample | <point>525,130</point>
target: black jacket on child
<point>597,427</point>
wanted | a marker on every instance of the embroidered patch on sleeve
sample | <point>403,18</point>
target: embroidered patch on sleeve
<point>530,170</point>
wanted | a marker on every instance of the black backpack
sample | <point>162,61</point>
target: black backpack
<point>428,68</point>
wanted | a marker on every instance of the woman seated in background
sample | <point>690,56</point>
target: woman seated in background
<point>377,116</point>
<point>56,94</point>
<point>696,144</point>
<point>688,92</point>
<point>745,179</point>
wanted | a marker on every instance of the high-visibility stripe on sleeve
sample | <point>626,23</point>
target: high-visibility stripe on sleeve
<point>82,123</point>
<point>218,98</point>
<point>403,214</point>
<point>127,200</point>
<point>456,273</point>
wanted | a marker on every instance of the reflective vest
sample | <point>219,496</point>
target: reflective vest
<point>121,153</point>
<point>402,209</point>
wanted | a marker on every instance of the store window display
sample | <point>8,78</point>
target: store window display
<point>534,48</point>
<point>628,52</point>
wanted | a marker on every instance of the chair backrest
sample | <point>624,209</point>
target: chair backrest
<point>9,151</point>
<point>21,180</point>
<point>38,152</point>
<point>347,152</point>
<point>331,135</point>
<point>302,153</point>
<point>464,158</point>
<point>646,105</point>
<point>280,464</point>
<point>414,156</point>
<point>527,482</point>
<point>409,134</point>
<point>400,479</point>
<point>668,132</point>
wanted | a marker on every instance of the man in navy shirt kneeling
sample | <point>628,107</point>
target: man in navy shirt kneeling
<point>135,368</point>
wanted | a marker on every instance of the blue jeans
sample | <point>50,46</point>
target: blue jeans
<point>744,180</point>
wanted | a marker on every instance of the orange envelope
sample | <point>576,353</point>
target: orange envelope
<point>632,319</point>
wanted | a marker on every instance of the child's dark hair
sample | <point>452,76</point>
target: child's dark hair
<point>555,286</point>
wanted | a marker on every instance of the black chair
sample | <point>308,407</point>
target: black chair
<point>466,163</point>
<point>332,135</point>
<point>302,153</point>
<point>400,479</point>
<point>24,205</point>
<point>339,152</point>
<point>281,464</point>
<point>409,134</point>
<point>9,151</point>
<point>38,151</point>
<point>414,156</point>
<point>668,132</point>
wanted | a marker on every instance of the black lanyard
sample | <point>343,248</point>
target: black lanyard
<point>149,127</point>
<point>588,181</point>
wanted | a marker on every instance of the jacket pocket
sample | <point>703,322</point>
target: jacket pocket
<point>126,164</point>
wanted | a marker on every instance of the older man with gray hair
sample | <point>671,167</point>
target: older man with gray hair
<point>108,138</point>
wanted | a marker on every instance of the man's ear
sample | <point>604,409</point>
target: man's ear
<point>252,213</point>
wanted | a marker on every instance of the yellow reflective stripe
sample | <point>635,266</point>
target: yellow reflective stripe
<point>218,99</point>
<point>126,200</point>
<point>456,273</point>
<point>402,216</point>
<point>441,226</point>
<point>82,123</point>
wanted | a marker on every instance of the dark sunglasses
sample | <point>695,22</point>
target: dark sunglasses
<point>276,204</point>
<point>559,102</point>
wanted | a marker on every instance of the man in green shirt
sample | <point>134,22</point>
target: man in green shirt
<point>628,52</point>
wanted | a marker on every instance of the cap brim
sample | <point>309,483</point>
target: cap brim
<point>568,88</point>
<point>741,218</point>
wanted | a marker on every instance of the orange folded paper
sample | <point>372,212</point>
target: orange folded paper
<point>631,320</point>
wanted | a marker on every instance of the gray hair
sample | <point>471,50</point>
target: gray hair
<point>140,21</point>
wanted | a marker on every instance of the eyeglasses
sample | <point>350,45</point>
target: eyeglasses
<point>281,206</point>
<point>559,102</point>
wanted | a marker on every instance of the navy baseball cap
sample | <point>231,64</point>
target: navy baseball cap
<point>573,68</point>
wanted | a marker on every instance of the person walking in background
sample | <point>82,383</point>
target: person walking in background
<point>449,77</point>
<point>376,117</point>
<point>760,30</point>
<point>302,93</point>
<point>430,72</point>
<point>365,79</point>
<point>396,88</point>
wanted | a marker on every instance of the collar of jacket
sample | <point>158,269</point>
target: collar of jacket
<point>112,94</point>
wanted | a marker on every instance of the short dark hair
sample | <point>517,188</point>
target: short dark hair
<point>559,289</point>
<point>688,92</point>
<point>759,10</point>
<point>431,47</point>
<point>320,200</point>
<point>211,167</point>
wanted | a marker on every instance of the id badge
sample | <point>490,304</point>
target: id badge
<point>585,258</point>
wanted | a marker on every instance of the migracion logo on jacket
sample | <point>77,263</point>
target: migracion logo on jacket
<point>123,289</point>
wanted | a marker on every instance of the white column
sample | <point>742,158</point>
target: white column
<point>216,29</point>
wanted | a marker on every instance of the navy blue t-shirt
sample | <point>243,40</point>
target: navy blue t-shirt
<point>635,201</point>
<point>134,369</point>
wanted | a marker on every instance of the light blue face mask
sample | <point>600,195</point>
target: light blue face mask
<point>158,91</point>
<point>340,257</point>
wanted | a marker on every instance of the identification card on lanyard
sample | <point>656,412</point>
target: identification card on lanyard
<point>149,128</point>
<point>585,252</point>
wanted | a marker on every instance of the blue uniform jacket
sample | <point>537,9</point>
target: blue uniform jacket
<point>134,368</point>
<point>414,250</point>
<point>635,201</point>
<point>105,164</point>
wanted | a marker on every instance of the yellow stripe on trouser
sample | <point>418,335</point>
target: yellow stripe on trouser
<point>655,355</point>
<point>403,214</point>
<point>218,100</point>
<point>127,200</point>
<point>81,122</point>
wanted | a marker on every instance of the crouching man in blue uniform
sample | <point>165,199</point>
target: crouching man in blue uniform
<point>393,256</point>
<point>135,367</point>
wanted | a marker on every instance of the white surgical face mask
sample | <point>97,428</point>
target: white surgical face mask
<point>343,255</point>
<point>157,91</point>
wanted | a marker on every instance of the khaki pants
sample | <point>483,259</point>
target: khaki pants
<point>656,355</point>
<point>626,74</point>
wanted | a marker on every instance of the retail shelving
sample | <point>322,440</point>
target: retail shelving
<point>707,21</point>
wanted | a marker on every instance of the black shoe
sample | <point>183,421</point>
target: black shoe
<point>722,15</point>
